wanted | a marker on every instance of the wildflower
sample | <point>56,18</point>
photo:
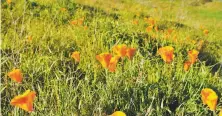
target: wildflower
<point>169,31</point>
<point>112,64</point>
<point>74,22</point>
<point>120,50</point>
<point>80,21</point>
<point>76,56</point>
<point>193,54</point>
<point>118,113</point>
<point>63,9</point>
<point>104,59</point>
<point>166,53</point>
<point>29,38</point>
<point>130,53</point>
<point>9,1</point>
<point>151,21</point>
<point>187,65</point>
<point>205,31</point>
<point>16,75</point>
<point>209,97</point>
<point>135,22</point>
<point>149,28</point>
<point>24,101</point>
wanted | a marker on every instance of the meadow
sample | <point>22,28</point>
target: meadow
<point>95,57</point>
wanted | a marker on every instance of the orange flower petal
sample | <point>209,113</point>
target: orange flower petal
<point>24,101</point>
<point>76,56</point>
<point>205,31</point>
<point>166,53</point>
<point>120,50</point>
<point>118,113</point>
<point>130,53</point>
<point>16,75</point>
<point>104,59</point>
<point>193,54</point>
<point>209,97</point>
<point>187,65</point>
<point>112,65</point>
<point>149,28</point>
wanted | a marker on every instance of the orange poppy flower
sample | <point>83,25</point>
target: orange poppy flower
<point>16,75</point>
<point>104,59</point>
<point>80,21</point>
<point>76,56</point>
<point>169,31</point>
<point>166,53</point>
<point>112,64</point>
<point>193,54</point>
<point>118,113</point>
<point>120,50</point>
<point>130,53</point>
<point>186,65</point>
<point>74,22</point>
<point>205,31</point>
<point>220,114</point>
<point>63,9</point>
<point>135,22</point>
<point>209,97</point>
<point>151,21</point>
<point>149,28</point>
<point>8,1</point>
<point>24,101</point>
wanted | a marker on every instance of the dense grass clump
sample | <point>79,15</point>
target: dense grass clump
<point>39,36</point>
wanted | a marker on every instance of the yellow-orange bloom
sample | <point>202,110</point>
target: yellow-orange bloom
<point>63,9</point>
<point>118,113</point>
<point>130,53</point>
<point>8,1</point>
<point>169,31</point>
<point>209,97</point>
<point>205,31</point>
<point>220,114</point>
<point>120,50</point>
<point>193,54</point>
<point>76,56</point>
<point>166,53</point>
<point>16,75</point>
<point>24,101</point>
<point>104,59</point>
<point>187,65</point>
<point>149,28</point>
<point>135,22</point>
<point>112,64</point>
<point>151,21</point>
<point>74,22</point>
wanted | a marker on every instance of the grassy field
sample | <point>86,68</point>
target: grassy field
<point>39,36</point>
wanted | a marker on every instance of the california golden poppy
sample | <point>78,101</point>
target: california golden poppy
<point>24,101</point>
<point>135,22</point>
<point>193,55</point>
<point>149,28</point>
<point>205,31</point>
<point>166,53</point>
<point>169,31</point>
<point>120,50</point>
<point>112,64</point>
<point>118,113</point>
<point>63,9</point>
<point>209,97</point>
<point>130,53</point>
<point>16,75</point>
<point>80,21</point>
<point>8,1</point>
<point>151,21</point>
<point>76,56</point>
<point>186,65</point>
<point>74,22</point>
<point>104,59</point>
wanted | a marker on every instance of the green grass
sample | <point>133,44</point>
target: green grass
<point>147,85</point>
